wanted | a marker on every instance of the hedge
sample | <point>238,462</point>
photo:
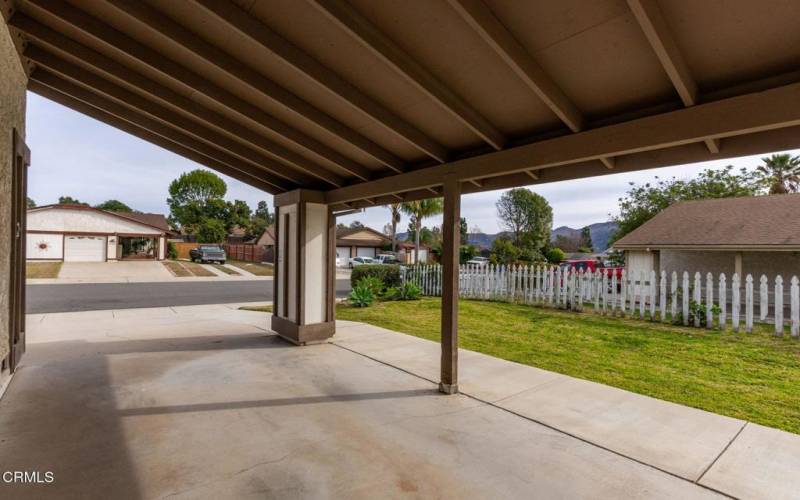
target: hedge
<point>388,273</point>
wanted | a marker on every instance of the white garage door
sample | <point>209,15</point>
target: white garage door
<point>84,248</point>
<point>365,252</point>
<point>344,255</point>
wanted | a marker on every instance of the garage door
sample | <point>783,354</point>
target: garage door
<point>365,252</point>
<point>84,249</point>
<point>344,255</point>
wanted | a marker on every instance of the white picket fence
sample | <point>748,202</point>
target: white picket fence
<point>711,302</point>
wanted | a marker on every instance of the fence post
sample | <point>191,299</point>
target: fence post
<point>748,303</point>
<point>778,305</point>
<point>673,299</point>
<point>723,302</point>
<point>709,300</point>
<point>763,296</point>
<point>662,296</point>
<point>614,294</point>
<point>685,297</point>
<point>652,295</point>
<point>697,296</point>
<point>623,292</point>
<point>795,311</point>
<point>736,302</point>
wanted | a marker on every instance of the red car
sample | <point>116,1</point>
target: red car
<point>592,265</point>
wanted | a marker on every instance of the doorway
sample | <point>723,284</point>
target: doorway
<point>137,247</point>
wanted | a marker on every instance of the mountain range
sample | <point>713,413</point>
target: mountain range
<point>600,232</point>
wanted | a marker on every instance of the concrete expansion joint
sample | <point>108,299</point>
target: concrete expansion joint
<point>727,446</point>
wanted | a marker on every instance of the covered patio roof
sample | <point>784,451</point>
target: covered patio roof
<point>374,102</point>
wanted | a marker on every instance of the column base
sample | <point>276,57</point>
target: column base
<point>448,388</point>
<point>302,334</point>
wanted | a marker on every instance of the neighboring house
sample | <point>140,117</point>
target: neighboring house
<point>78,233</point>
<point>406,251</point>
<point>749,235</point>
<point>267,238</point>
<point>359,242</point>
<point>237,236</point>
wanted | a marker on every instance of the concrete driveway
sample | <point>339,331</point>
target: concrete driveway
<point>121,271</point>
<point>204,402</point>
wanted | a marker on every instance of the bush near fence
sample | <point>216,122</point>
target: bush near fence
<point>389,274</point>
<point>698,300</point>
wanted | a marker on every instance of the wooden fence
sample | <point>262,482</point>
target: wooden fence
<point>248,252</point>
<point>183,248</point>
<point>710,302</point>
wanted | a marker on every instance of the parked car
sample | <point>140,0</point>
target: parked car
<point>359,261</point>
<point>478,261</point>
<point>207,253</point>
<point>592,265</point>
<point>387,258</point>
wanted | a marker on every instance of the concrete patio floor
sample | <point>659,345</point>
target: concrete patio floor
<point>203,402</point>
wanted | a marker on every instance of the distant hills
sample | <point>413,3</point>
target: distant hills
<point>600,232</point>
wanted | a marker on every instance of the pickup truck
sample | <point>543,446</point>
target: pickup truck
<point>207,253</point>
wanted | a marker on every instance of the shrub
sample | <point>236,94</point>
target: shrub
<point>406,291</point>
<point>389,274</point>
<point>374,283</point>
<point>466,253</point>
<point>555,255</point>
<point>361,296</point>
<point>172,251</point>
<point>504,251</point>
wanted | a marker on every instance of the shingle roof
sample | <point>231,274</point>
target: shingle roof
<point>155,220</point>
<point>747,222</point>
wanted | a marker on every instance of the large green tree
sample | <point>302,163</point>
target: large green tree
<point>29,202</point>
<point>114,206</point>
<point>417,211</point>
<point>780,173</point>
<point>642,202</point>
<point>195,196</point>
<point>261,219</point>
<point>238,214</point>
<point>210,230</point>
<point>527,216</point>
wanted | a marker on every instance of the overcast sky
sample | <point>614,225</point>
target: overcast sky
<point>77,156</point>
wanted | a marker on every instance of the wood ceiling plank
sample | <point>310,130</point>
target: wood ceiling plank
<point>105,34</point>
<point>407,66</point>
<point>255,30</point>
<point>167,28</point>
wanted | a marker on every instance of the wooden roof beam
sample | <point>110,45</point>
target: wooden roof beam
<point>104,33</point>
<point>655,28</point>
<point>483,21</point>
<point>108,89</point>
<point>169,145</point>
<point>252,28</point>
<point>173,31</point>
<point>55,42</point>
<point>745,114</point>
<point>124,113</point>
<point>407,66</point>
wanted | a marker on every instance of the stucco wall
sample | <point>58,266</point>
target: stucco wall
<point>44,246</point>
<point>12,115</point>
<point>786,264</point>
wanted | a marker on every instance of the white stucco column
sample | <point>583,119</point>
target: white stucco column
<point>305,270</point>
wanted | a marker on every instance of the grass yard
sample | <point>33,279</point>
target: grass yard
<point>252,267</point>
<point>226,270</point>
<point>38,270</point>
<point>749,376</point>
<point>187,269</point>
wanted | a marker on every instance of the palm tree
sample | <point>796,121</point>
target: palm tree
<point>394,208</point>
<point>781,173</point>
<point>419,210</point>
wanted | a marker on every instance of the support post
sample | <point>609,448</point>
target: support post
<point>737,265</point>
<point>304,271</point>
<point>451,232</point>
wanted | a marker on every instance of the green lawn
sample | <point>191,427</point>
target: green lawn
<point>252,267</point>
<point>37,270</point>
<point>750,376</point>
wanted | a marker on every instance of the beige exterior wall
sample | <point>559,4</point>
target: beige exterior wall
<point>771,264</point>
<point>13,82</point>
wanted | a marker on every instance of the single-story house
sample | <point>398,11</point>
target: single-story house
<point>79,233</point>
<point>406,250</point>
<point>267,238</point>
<point>359,242</point>
<point>748,235</point>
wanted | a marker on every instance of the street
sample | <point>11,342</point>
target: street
<point>91,297</point>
